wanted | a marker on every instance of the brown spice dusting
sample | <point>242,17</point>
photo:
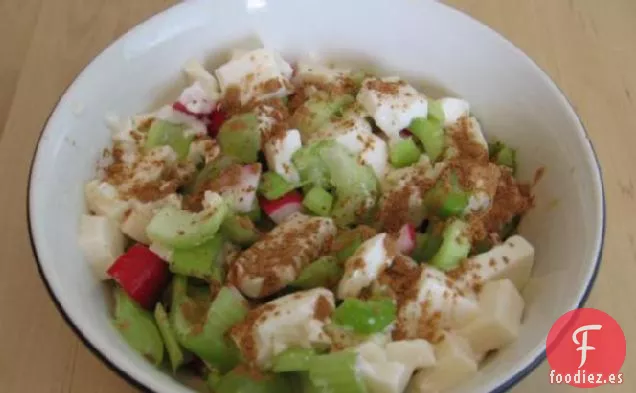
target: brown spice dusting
<point>467,147</point>
<point>383,87</point>
<point>344,239</point>
<point>506,260</point>
<point>231,101</point>
<point>322,309</point>
<point>492,262</point>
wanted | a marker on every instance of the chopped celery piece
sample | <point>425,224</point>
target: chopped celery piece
<point>365,317</point>
<point>305,384</point>
<point>348,241</point>
<point>172,346</point>
<point>138,327</point>
<point>203,331</point>
<point>274,186</point>
<point>211,171</point>
<point>200,261</point>
<point>404,153</point>
<point>316,111</point>
<point>426,246</point>
<point>310,166</point>
<point>240,137</point>
<point>431,133</point>
<point>357,77</point>
<point>344,253</point>
<point>507,157</point>
<point>356,186</point>
<point>446,200</point>
<point>165,133</point>
<point>212,380</point>
<point>455,246</point>
<point>178,228</point>
<point>239,230</point>
<point>255,214</point>
<point>336,373</point>
<point>323,272</point>
<point>293,359</point>
<point>240,381</point>
<point>435,111</point>
<point>318,201</point>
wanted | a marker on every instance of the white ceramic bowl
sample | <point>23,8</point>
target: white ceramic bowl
<point>422,40</point>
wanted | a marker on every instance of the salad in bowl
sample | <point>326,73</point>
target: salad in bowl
<point>310,228</point>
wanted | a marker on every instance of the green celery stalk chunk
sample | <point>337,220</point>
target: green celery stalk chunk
<point>274,186</point>
<point>138,327</point>
<point>336,373</point>
<point>312,170</point>
<point>293,359</point>
<point>178,228</point>
<point>210,171</point>
<point>165,133</point>
<point>203,332</point>
<point>305,384</point>
<point>345,244</point>
<point>445,202</point>
<point>367,317</point>
<point>429,248</point>
<point>431,133</point>
<point>318,201</point>
<point>240,138</point>
<point>435,111</point>
<point>455,246</point>
<point>323,272</point>
<point>507,157</point>
<point>201,261</point>
<point>316,111</point>
<point>356,186</point>
<point>240,230</point>
<point>404,153</point>
<point>170,340</point>
<point>239,381</point>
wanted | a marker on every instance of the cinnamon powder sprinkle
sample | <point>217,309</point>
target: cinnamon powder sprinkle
<point>322,309</point>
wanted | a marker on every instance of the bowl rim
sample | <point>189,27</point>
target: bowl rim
<point>502,386</point>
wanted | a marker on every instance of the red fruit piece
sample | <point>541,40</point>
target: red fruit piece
<point>142,274</point>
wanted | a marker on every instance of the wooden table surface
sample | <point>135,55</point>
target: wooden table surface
<point>587,46</point>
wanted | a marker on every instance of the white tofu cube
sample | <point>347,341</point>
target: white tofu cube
<point>197,74</point>
<point>354,132</point>
<point>161,251</point>
<point>454,109</point>
<point>292,321</point>
<point>456,363</point>
<point>259,74</point>
<point>279,151</point>
<point>416,354</point>
<point>372,352</point>
<point>512,259</point>
<point>279,256</point>
<point>472,128</point>
<point>196,100</point>
<point>438,306</point>
<point>103,199</point>
<point>140,215</point>
<point>240,192</point>
<point>363,267</point>
<point>384,377</point>
<point>102,243</point>
<point>498,324</point>
<point>393,104</point>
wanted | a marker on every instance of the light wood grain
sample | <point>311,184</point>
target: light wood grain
<point>587,46</point>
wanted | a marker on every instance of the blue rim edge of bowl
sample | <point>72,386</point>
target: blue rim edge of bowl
<point>504,387</point>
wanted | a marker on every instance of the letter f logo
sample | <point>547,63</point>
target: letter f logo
<point>583,344</point>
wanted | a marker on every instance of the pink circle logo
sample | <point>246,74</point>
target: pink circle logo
<point>586,348</point>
